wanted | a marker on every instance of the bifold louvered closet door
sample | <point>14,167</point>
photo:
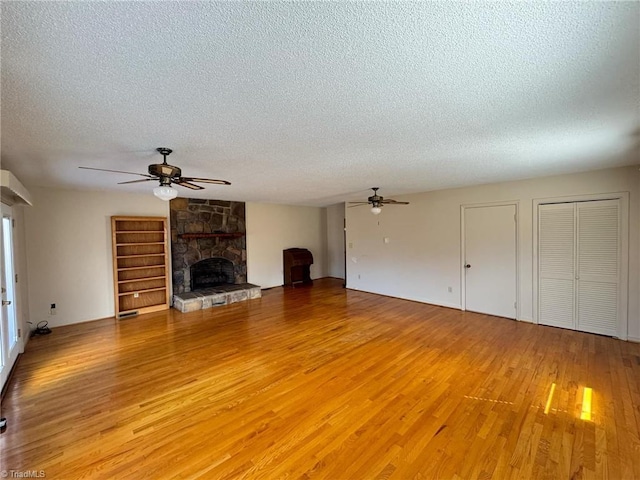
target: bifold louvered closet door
<point>579,265</point>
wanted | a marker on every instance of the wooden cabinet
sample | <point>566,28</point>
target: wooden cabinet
<point>297,266</point>
<point>140,265</point>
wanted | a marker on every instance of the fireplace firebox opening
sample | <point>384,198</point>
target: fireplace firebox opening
<point>211,272</point>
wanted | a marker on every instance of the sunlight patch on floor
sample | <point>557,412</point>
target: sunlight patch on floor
<point>549,399</point>
<point>586,404</point>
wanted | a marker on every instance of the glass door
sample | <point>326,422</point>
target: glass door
<point>9,338</point>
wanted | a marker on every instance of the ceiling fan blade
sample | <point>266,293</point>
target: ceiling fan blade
<point>357,204</point>
<point>184,183</point>
<point>137,181</point>
<point>205,180</point>
<point>117,171</point>
<point>394,202</point>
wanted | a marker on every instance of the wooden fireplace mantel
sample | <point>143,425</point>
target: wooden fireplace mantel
<point>190,236</point>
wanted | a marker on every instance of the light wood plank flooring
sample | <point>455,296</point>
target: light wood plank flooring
<point>322,382</point>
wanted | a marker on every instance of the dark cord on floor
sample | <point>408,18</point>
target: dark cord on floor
<point>41,329</point>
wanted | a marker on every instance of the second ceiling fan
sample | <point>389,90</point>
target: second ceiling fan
<point>377,202</point>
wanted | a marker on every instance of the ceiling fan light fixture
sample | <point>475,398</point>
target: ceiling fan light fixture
<point>165,193</point>
<point>376,210</point>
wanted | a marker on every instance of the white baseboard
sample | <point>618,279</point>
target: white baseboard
<point>633,339</point>
<point>426,301</point>
<point>526,319</point>
<point>455,306</point>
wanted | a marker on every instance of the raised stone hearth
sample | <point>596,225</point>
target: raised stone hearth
<point>215,296</point>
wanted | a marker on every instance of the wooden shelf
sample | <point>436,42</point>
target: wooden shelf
<point>141,255</point>
<point>138,244</point>
<point>157,289</point>
<point>143,279</point>
<point>123,269</point>
<point>189,236</point>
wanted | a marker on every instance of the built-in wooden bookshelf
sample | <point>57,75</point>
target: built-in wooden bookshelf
<point>140,265</point>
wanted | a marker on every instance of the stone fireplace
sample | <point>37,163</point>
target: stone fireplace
<point>209,254</point>
<point>206,229</point>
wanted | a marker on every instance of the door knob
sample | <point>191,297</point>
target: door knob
<point>467,266</point>
<point>6,302</point>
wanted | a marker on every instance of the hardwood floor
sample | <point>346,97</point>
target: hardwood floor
<point>322,382</point>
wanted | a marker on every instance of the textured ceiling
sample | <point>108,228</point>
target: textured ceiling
<point>312,103</point>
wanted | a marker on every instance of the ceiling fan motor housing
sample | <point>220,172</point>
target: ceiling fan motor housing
<point>164,170</point>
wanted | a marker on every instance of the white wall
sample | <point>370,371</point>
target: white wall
<point>68,239</point>
<point>335,240</point>
<point>422,258</point>
<point>273,228</point>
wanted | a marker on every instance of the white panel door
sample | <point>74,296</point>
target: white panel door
<point>598,266</point>
<point>490,260</point>
<point>556,265</point>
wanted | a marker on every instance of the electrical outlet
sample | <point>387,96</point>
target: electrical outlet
<point>52,309</point>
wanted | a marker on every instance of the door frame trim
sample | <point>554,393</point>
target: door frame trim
<point>463,288</point>
<point>8,211</point>
<point>623,198</point>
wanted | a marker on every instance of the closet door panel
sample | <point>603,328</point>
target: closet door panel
<point>556,265</point>
<point>598,266</point>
